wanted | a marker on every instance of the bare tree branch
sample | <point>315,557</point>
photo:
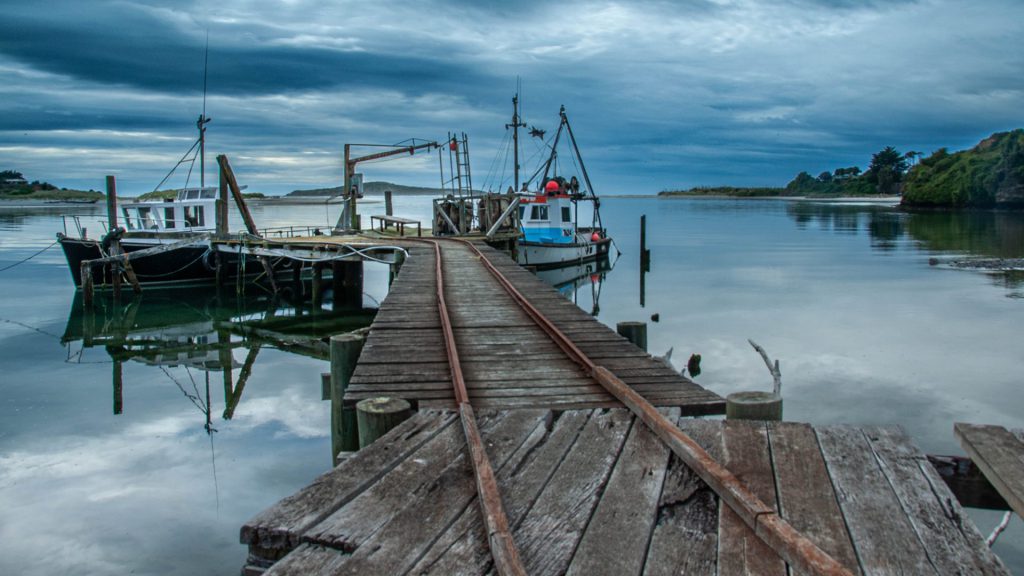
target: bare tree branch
<point>776,373</point>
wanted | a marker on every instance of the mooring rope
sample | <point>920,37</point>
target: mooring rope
<point>5,268</point>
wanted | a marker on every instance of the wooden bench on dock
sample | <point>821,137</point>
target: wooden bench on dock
<point>595,492</point>
<point>399,222</point>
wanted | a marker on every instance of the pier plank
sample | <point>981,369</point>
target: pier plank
<point>618,534</point>
<point>280,526</point>
<point>999,453</point>
<point>548,534</point>
<point>868,502</point>
<point>806,498</point>
<point>745,452</point>
<point>684,537</point>
<point>954,547</point>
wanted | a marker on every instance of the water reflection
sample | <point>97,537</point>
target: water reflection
<point>182,333</point>
<point>986,238</point>
<point>580,283</point>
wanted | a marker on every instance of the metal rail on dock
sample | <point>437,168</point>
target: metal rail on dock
<point>791,545</point>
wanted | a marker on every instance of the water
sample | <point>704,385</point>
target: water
<point>867,331</point>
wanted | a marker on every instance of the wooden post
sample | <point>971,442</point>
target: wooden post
<point>115,245</point>
<point>348,284</point>
<point>111,202</point>
<point>396,266</point>
<point>387,203</point>
<point>635,332</point>
<point>345,349</point>
<point>376,416</point>
<point>222,204</point>
<point>753,406</point>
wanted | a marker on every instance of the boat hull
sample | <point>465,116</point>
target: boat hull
<point>189,264</point>
<point>545,255</point>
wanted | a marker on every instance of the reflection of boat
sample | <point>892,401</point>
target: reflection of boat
<point>571,280</point>
<point>199,330</point>
<point>548,218</point>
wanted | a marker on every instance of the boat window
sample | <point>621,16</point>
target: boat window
<point>209,193</point>
<point>566,214</point>
<point>522,212</point>
<point>168,217</point>
<point>193,194</point>
<point>201,215</point>
<point>128,220</point>
<point>191,218</point>
<point>539,213</point>
<point>146,220</point>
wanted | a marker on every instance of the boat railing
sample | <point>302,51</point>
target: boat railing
<point>294,231</point>
<point>76,221</point>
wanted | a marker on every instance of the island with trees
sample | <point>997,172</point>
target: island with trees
<point>989,175</point>
<point>14,186</point>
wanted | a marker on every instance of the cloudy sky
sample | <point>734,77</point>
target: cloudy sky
<point>660,94</point>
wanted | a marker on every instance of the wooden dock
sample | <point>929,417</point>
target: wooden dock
<point>508,361</point>
<point>595,492</point>
<point>999,453</point>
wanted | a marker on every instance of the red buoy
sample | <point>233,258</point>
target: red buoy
<point>595,237</point>
<point>551,187</point>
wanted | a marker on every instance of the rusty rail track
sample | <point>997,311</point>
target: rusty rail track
<point>791,545</point>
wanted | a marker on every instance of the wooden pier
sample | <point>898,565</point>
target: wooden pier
<point>999,453</point>
<point>595,492</point>
<point>562,464</point>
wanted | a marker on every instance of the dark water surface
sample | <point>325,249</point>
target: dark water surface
<point>866,329</point>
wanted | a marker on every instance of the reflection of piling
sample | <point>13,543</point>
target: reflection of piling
<point>318,280</point>
<point>118,382</point>
<point>635,332</point>
<point>347,284</point>
<point>645,259</point>
<point>376,416</point>
<point>345,349</point>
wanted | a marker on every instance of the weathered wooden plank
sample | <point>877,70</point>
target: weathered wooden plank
<point>462,549</point>
<point>281,526</point>
<point>868,503</point>
<point>953,546</point>
<point>549,532</point>
<point>745,452</point>
<point>805,494</point>
<point>1000,455</point>
<point>309,559</point>
<point>617,537</point>
<point>685,534</point>
<point>400,543</point>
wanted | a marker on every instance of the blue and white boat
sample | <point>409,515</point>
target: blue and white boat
<point>548,218</point>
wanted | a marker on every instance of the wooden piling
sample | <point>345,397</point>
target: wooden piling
<point>387,203</point>
<point>635,332</point>
<point>753,406</point>
<point>318,280</point>
<point>376,416</point>
<point>118,383</point>
<point>345,350</point>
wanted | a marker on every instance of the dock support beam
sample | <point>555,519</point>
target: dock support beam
<point>348,284</point>
<point>345,350</point>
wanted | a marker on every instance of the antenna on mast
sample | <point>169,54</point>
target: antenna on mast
<point>515,126</point>
<point>203,120</point>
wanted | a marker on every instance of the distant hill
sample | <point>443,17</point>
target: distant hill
<point>371,188</point>
<point>989,175</point>
<point>13,186</point>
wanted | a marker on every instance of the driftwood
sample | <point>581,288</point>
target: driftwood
<point>774,369</point>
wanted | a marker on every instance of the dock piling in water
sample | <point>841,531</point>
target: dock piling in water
<point>635,332</point>
<point>345,350</point>
<point>376,416</point>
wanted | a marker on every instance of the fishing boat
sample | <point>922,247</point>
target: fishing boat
<point>551,236</point>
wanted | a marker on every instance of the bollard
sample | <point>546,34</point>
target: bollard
<point>635,332</point>
<point>753,406</point>
<point>345,349</point>
<point>378,415</point>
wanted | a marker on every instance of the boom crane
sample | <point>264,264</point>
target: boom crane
<point>350,168</point>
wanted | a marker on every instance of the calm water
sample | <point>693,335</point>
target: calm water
<point>866,330</point>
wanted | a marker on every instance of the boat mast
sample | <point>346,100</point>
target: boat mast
<point>203,120</point>
<point>515,125</point>
<point>586,177</point>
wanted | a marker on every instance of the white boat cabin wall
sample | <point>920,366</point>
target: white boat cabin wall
<point>193,209</point>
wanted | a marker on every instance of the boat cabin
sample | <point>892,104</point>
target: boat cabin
<point>547,217</point>
<point>191,209</point>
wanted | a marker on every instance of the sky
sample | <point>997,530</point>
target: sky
<point>660,95</point>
